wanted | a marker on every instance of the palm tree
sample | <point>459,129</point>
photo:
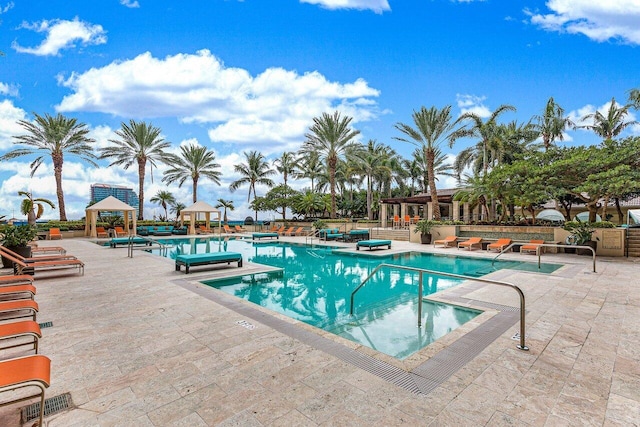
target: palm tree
<point>226,204</point>
<point>255,171</point>
<point>634,98</point>
<point>372,161</point>
<point>488,132</point>
<point>194,162</point>
<point>310,167</point>
<point>54,136</point>
<point>163,198</point>
<point>433,127</point>
<point>330,137</point>
<point>176,208</point>
<point>611,125</point>
<point>33,208</point>
<point>139,143</point>
<point>286,165</point>
<point>552,123</point>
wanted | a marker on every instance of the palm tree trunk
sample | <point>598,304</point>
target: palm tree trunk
<point>57,171</point>
<point>332,183</point>
<point>195,190</point>
<point>142,164</point>
<point>430,155</point>
<point>369,197</point>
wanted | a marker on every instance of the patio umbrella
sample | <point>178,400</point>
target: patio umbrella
<point>584,217</point>
<point>550,215</point>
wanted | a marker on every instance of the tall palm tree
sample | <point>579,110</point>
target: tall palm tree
<point>634,98</point>
<point>32,207</point>
<point>286,165</point>
<point>255,171</point>
<point>226,204</point>
<point>432,128</point>
<point>139,143</point>
<point>176,208</point>
<point>194,162</point>
<point>611,125</point>
<point>309,166</point>
<point>552,123</point>
<point>53,136</point>
<point>163,198</point>
<point>330,136</point>
<point>372,162</point>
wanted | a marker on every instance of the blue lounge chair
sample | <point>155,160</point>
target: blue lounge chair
<point>373,244</point>
<point>125,241</point>
<point>258,236</point>
<point>189,260</point>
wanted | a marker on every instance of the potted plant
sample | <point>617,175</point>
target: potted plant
<point>16,239</point>
<point>581,233</point>
<point>424,227</point>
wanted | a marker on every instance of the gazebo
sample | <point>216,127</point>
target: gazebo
<point>110,204</point>
<point>193,210</point>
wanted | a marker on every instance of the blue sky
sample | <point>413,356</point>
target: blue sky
<point>241,75</point>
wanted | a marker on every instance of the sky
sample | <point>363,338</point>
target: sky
<point>248,75</point>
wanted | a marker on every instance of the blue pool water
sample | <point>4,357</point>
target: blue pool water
<point>314,285</point>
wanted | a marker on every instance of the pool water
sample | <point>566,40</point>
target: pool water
<point>314,285</point>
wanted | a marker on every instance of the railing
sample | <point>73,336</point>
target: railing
<point>548,245</point>
<point>422,271</point>
<point>153,244</point>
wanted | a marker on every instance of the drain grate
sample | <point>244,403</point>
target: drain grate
<point>52,405</point>
<point>45,325</point>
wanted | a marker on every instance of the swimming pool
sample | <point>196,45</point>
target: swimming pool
<point>313,284</point>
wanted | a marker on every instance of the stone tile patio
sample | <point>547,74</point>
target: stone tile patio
<point>136,343</point>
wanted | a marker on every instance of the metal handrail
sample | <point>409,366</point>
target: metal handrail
<point>130,246</point>
<point>422,271</point>
<point>548,245</point>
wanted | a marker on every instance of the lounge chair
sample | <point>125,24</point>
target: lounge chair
<point>287,231</point>
<point>22,329</point>
<point>499,245</point>
<point>227,229</point>
<point>4,250</point>
<point>54,233</point>
<point>16,280</point>
<point>18,309</point>
<point>296,232</point>
<point>35,264</point>
<point>119,231</point>
<point>258,236</point>
<point>189,260</point>
<point>473,241</point>
<point>447,242</point>
<point>373,244</point>
<point>203,230</point>
<point>16,292</point>
<point>27,371</point>
<point>532,246</point>
<point>43,250</point>
<point>239,229</point>
<point>101,233</point>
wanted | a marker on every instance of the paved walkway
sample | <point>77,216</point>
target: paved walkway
<point>138,344</point>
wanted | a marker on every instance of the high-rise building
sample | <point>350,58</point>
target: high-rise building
<point>124,194</point>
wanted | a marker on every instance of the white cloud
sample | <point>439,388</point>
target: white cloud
<point>576,116</point>
<point>378,6</point>
<point>7,89</point>
<point>472,104</point>
<point>598,20</point>
<point>9,127</point>
<point>271,110</point>
<point>62,34</point>
<point>7,7</point>
<point>130,3</point>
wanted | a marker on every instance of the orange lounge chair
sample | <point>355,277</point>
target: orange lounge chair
<point>286,232</point>
<point>43,250</point>
<point>18,309</point>
<point>101,233</point>
<point>202,229</point>
<point>447,242</point>
<point>24,328</point>
<point>4,250</point>
<point>473,241</point>
<point>239,229</point>
<point>298,232</point>
<point>54,233</point>
<point>227,229</point>
<point>119,231</point>
<point>532,246</point>
<point>20,266</point>
<point>16,280</point>
<point>499,245</point>
<point>27,371</point>
<point>16,292</point>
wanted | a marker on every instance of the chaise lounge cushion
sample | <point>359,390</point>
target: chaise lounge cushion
<point>189,260</point>
<point>373,244</point>
<point>258,236</point>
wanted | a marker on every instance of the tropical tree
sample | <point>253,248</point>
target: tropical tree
<point>279,198</point>
<point>33,208</point>
<point>164,199</point>
<point>634,98</point>
<point>254,171</point>
<point>330,136</point>
<point>309,166</point>
<point>308,203</point>
<point>226,204</point>
<point>194,162</point>
<point>53,136</point>
<point>286,165</point>
<point>432,128</point>
<point>138,143</point>
<point>552,123</point>
<point>372,161</point>
<point>610,125</point>
<point>176,208</point>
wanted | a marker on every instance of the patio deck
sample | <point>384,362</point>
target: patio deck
<point>136,343</point>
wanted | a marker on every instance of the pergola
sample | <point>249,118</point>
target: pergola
<point>192,212</point>
<point>110,204</point>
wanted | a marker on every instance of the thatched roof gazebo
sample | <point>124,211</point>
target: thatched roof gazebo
<point>109,204</point>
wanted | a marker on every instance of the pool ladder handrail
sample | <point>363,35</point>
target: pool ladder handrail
<point>548,245</point>
<point>422,271</point>
<point>158,245</point>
